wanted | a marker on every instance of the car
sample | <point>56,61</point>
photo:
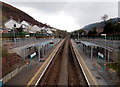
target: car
<point>51,42</point>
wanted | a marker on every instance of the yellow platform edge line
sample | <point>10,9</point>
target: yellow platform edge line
<point>91,75</point>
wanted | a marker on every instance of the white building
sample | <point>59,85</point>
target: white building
<point>53,29</point>
<point>10,24</point>
<point>48,30</point>
<point>26,26</point>
<point>34,29</point>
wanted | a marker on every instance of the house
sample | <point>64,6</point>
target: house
<point>48,30</point>
<point>25,25</point>
<point>53,29</point>
<point>35,29</point>
<point>10,24</point>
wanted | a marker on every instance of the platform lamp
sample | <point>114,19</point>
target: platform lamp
<point>83,35</point>
<point>105,45</point>
<point>78,36</point>
<point>14,27</point>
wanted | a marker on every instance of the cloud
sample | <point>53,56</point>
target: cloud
<point>43,6</point>
<point>60,0</point>
<point>60,20</point>
<point>89,12</point>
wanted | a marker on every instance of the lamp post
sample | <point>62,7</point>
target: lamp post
<point>78,36</point>
<point>14,34</point>
<point>105,46</point>
<point>27,37</point>
<point>13,27</point>
<point>83,35</point>
<point>73,35</point>
<point>39,53</point>
<point>105,43</point>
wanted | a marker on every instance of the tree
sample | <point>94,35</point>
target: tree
<point>117,27</point>
<point>89,33</point>
<point>19,30</point>
<point>109,28</point>
<point>43,31</point>
<point>92,32</point>
<point>81,32</point>
<point>104,17</point>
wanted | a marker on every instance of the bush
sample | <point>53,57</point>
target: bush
<point>5,53</point>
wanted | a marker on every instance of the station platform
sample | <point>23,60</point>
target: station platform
<point>96,75</point>
<point>26,74</point>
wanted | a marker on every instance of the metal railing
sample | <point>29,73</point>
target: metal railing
<point>17,42</point>
<point>112,43</point>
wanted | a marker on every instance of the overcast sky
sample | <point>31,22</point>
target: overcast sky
<point>68,16</point>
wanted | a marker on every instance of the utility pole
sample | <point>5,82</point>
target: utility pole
<point>14,26</point>
<point>78,36</point>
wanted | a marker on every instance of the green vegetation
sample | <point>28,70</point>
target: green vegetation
<point>112,28</point>
<point>92,32</point>
<point>12,35</point>
<point>5,53</point>
<point>60,34</point>
<point>22,35</point>
<point>113,66</point>
<point>80,33</point>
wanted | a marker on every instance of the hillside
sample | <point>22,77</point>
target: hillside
<point>9,11</point>
<point>99,25</point>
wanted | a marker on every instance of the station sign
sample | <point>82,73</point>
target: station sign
<point>32,55</point>
<point>100,54</point>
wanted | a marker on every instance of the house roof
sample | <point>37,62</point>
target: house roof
<point>11,20</point>
<point>35,28</point>
<point>25,23</point>
<point>88,43</point>
<point>94,45</point>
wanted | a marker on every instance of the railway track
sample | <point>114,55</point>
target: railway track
<point>63,70</point>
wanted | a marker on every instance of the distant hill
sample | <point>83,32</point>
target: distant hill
<point>99,25</point>
<point>9,11</point>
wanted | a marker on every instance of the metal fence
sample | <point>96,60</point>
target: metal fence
<point>112,43</point>
<point>17,42</point>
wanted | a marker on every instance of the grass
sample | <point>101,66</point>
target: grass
<point>114,66</point>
